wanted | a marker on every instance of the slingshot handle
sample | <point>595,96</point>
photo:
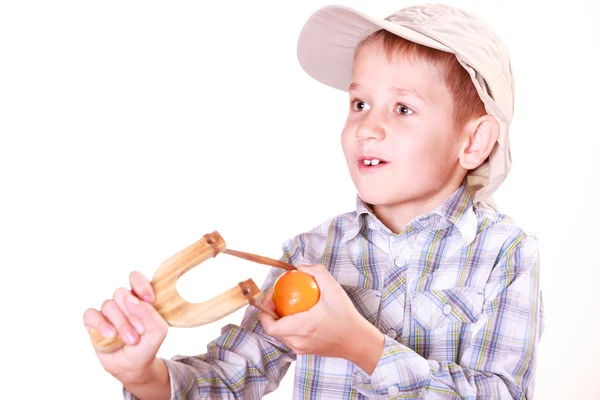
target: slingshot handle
<point>172,307</point>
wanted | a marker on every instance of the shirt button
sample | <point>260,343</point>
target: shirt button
<point>392,333</point>
<point>400,261</point>
<point>393,390</point>
<point>447,309</point>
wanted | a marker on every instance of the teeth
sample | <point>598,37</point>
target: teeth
<point>372,162</point>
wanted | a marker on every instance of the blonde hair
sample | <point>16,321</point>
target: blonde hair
<point>466,102</point>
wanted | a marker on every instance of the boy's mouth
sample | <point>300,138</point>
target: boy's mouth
<point>373,162</point>
<point>368,162</point>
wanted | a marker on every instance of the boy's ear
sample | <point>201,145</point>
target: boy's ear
<point>481,136</point>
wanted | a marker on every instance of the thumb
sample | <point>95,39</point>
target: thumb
<point>267,300</point>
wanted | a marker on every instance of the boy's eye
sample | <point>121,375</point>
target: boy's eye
<point>359,105</point>
<point>403,110</point>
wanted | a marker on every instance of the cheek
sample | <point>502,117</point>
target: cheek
<point>347,141</point>
<point>414,150</point>
<point>425,152</point>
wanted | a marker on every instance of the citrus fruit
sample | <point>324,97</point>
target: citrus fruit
<point>294,292</point>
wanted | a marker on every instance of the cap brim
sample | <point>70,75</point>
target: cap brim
<point>327,41</point>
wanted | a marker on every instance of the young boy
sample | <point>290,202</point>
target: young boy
<point>427,291</point>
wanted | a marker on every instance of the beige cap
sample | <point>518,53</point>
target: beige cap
<point>326,52</point>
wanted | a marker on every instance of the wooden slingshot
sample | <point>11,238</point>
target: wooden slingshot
<point>178,312</point>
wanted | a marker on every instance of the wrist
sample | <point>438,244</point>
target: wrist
<point>155,371</point>
<point>151,383</point>
<point>367,344</point>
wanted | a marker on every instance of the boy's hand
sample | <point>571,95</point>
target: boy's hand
<point>331,328</point>
<point>130,315</point>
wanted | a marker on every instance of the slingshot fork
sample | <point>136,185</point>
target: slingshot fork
<point>180,313</point>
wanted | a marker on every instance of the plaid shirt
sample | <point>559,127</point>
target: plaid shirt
<point>456,293</point>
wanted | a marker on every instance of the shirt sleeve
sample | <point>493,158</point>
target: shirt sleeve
<point>497,357</point>
<point>244,362</point>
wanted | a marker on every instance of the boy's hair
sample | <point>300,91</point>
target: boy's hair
<point>466,102</point>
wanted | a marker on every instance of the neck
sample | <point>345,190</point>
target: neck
<point>397,215</point>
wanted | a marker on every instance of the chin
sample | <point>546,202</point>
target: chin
<point>378,198</point>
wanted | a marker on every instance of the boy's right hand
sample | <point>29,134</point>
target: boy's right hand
<point>130,315</point>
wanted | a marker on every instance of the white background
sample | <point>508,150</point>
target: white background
<point>130,129</point>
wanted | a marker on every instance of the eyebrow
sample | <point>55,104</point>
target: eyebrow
<point>412,92</point>
<point>398,91</point>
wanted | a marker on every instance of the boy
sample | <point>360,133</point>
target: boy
<point>426,290</point>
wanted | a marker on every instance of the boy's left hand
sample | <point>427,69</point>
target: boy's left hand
<point>331,328</point>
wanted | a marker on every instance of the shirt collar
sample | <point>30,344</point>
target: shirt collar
<point>456,210</point>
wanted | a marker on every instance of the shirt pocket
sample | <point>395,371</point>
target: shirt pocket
<point>366,301</point>
<point>432,309</point>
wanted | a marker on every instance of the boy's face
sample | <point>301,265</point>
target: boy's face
<point>401,114</point>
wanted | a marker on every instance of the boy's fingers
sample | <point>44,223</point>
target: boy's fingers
<point>119,298</point>
<point>314,270</point>
<point>141,286</point>
<point>93,319</point>
<point>113,313</point>
<point>268,296</point>
<point>266,321</point>
<point>141,313</point>
<point>291,325</point>
<point>267,300</point>
<point>120,295</point>
<point>270,326</point>
<point>322,276</point>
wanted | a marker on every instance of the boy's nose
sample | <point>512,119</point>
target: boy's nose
<point>370,132</point>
